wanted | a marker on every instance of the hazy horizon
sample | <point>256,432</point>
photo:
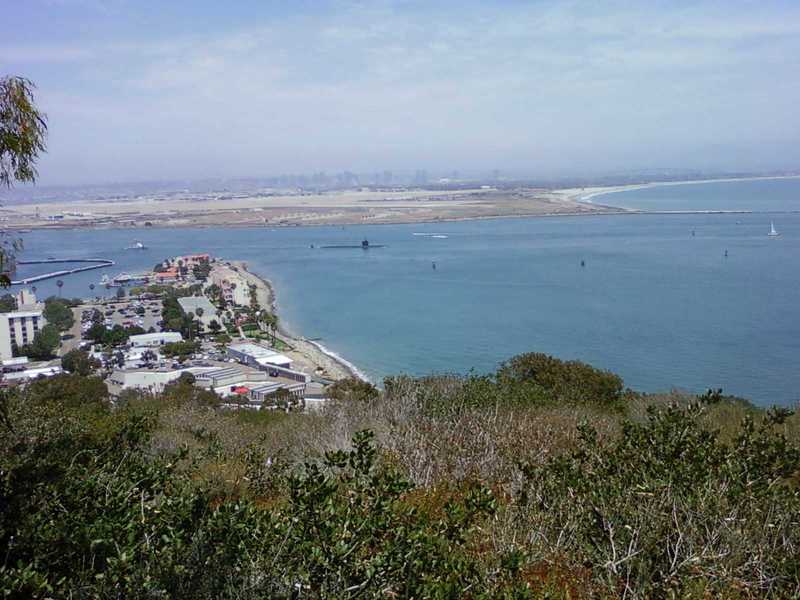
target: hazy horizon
<point>145,92</point>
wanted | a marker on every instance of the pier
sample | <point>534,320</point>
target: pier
<point>95,263</point>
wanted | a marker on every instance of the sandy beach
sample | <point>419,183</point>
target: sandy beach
<point>308,356</point>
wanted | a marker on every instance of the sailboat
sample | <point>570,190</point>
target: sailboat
<point>136,245</point>
<point>772,232</point>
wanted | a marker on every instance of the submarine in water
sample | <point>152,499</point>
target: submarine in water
<point>365,245</point>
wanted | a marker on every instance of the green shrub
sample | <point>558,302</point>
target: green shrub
<point>668,508</point>
<point>353,389</point>
<point>570,382</point>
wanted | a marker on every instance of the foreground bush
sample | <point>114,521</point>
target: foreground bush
<point>480,487</point>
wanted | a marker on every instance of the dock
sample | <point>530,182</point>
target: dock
<point>95,263</point>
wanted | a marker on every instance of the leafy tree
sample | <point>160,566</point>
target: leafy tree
<point>23,130</point>
<point>79,362</point>
<point>571,382</point>
<point>201,270</point>
<point>7,303</point>
<point>120,293</point>
<point>44,344</point>
<point>57,312</point>
<point>149,357</point>
<point>69,391</point>
<point>96,332</point>
<point>180,350</point>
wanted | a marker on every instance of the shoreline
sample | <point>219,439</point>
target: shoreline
<point>577,196</point>
<point>326,363</point>
<point>603,191</point>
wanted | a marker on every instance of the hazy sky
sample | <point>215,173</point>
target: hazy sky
<point>153,89</point>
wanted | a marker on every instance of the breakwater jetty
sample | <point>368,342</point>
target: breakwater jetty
<point>93,263</point>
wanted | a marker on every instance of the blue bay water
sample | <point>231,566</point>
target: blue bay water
<point>653,303</point>
<point>760,195</point>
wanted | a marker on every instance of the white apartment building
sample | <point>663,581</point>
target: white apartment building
<point>17,329</point>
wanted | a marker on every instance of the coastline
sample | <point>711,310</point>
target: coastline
<point>556,202</point>
<point>310,356</point>
<point>603,191</point>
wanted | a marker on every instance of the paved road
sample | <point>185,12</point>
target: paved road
<point>71,338</point>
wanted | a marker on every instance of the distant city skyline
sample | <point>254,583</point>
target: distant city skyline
<point>143,90</point>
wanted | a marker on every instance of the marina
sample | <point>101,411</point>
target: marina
<point>95,263</point>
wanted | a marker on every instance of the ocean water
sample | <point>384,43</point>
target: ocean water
<point>657,301</point>
<point>756,195</point>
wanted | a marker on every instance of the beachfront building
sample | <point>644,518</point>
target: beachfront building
<point>18,328</point>
<point>169,275</point>
<point>258,356</point>
<point>148,380</point>
<point>152,340</point>
<point>241,386</point>
<point>191,260</point>
<point>207,313</point>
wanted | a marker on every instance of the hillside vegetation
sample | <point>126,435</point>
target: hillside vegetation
<point>547,479</point>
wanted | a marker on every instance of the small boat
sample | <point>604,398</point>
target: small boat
<point>772,231</point>
<point>136,245</point>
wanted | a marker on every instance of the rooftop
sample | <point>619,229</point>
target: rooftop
<point>18,314</point>
<point>251,349</point>
<point>192,303</point>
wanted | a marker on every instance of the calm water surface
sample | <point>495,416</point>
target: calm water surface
<point>763,195</point>
<point>654,303</point>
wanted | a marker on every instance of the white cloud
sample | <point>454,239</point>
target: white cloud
<point>393,86</point>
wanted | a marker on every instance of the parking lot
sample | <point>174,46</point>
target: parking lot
<point>140,313</point>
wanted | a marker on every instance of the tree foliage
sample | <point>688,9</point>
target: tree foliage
<point>180,350</point>
<point>8,303</point>
<point>353,389</point>
<point>572,382</point>
<point>44,344</point>
<point>79,362</point>
<point>57,312</point>
<point>23,129</point>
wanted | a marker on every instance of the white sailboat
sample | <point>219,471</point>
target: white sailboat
<point>772,231</point>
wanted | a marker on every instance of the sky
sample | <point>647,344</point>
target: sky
<point>142,90</point>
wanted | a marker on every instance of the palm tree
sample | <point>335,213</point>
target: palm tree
<point>60,284</point>
<point>91,288</point>
<point>273,325</point>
